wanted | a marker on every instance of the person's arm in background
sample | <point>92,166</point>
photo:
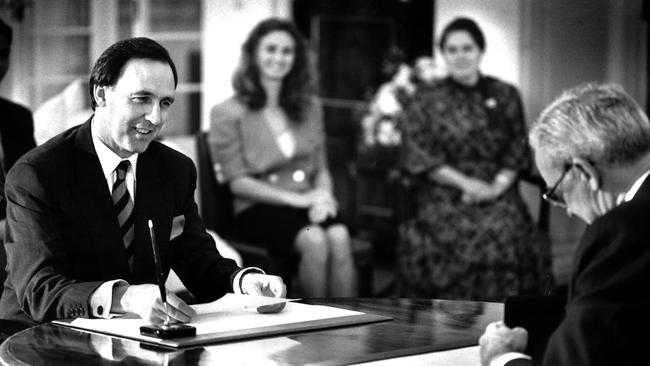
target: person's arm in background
<point>516,158</point>
<point>424,152</point>
<point>474,190</point>
<point>325,204</point>
<point>18,137</point>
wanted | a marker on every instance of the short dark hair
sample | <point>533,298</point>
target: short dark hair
<point>298,87</point>
<point>6,31</point>
<point>467,25</point>
<point>109,66</point>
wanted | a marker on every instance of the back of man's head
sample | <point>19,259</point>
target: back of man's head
<point>597,122</point>
<point>108,67</point>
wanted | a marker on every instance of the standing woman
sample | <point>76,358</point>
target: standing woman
<point>270,144</point>
<point>471,236</point>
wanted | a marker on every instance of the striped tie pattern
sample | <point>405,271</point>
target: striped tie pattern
<point>124,209</point>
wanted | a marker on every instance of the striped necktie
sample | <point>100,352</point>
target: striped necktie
<point>124,209</point>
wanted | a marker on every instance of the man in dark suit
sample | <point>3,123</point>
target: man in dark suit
<point>592,146</point>
<point>78,242</point>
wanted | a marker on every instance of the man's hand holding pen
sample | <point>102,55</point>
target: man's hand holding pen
<point>151,302</point>
<point>145,301</point>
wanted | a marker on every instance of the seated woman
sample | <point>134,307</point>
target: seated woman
<point>471,236</point>
<point>269,142</point>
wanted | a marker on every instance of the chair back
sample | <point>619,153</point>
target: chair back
<point>216,197</point>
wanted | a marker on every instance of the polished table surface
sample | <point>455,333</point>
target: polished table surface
<point>418,326</point>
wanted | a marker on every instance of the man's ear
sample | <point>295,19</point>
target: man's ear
<point>99,93</point>
<point>588,172</point>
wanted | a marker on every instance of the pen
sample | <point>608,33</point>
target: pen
<point>159,270</point>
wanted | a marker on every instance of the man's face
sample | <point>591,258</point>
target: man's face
<point>572,188</point>
<point>4,56</point>
<point>134,111</point>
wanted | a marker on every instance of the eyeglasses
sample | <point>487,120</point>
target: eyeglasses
<point>550,196</point>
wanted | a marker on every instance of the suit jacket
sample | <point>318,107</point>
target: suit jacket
<point>242,143</point>
<point>608,313</point>
<point>16,138</point>
<point>63,237</point>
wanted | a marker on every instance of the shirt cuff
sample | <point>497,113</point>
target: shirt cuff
<point>101,299</point>
<point>503,359</point>
<point>236,283</point>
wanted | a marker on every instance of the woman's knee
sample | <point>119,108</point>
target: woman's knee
<point>339,240</point>
<point>312,241</point>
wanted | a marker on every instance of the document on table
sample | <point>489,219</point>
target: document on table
<point>233,317</point>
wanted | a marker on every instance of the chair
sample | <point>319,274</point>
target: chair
<point>217,213</point>
<point>543,214</point>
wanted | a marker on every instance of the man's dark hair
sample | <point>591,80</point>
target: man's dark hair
<point>109,66</point>
<point>6,31</point>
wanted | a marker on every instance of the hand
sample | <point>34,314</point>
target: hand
<point>499,339</point>
<point>476,191</point>
<point>319,212</point>
<point>310,198</point>
<point>318,195</point>
<point>145,301</point>
<point>265,285</point>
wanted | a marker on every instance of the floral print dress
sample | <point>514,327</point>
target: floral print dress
<point>449,249</point>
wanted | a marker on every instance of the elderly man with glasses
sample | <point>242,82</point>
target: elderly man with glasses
<point>592,146</point>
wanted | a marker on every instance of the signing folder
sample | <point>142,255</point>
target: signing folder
<point>233,317</point>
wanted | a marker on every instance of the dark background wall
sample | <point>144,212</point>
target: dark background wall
<point>351,39</point>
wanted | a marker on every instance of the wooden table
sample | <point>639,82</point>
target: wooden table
<point>418,326</point>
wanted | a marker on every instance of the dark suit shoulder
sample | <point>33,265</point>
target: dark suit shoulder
<point>623,230</point>
<point>46,163</point>
<point>628,219</point>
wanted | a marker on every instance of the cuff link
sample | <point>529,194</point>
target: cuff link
<point>298,176</point>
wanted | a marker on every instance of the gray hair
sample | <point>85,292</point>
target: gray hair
<point>597,122</point>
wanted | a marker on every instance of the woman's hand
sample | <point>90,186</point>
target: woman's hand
<point>320,211</point>
<point>322,206</point>
<point>477,191</point>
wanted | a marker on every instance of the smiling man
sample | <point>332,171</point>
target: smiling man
<point>78,205</point>
<point>592,147</point>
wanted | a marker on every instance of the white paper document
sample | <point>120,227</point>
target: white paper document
<point>233,317</point>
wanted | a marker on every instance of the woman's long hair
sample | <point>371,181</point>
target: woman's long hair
<point>298,86</point>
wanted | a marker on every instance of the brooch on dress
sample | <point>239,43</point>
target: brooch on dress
<point>491,103</point>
